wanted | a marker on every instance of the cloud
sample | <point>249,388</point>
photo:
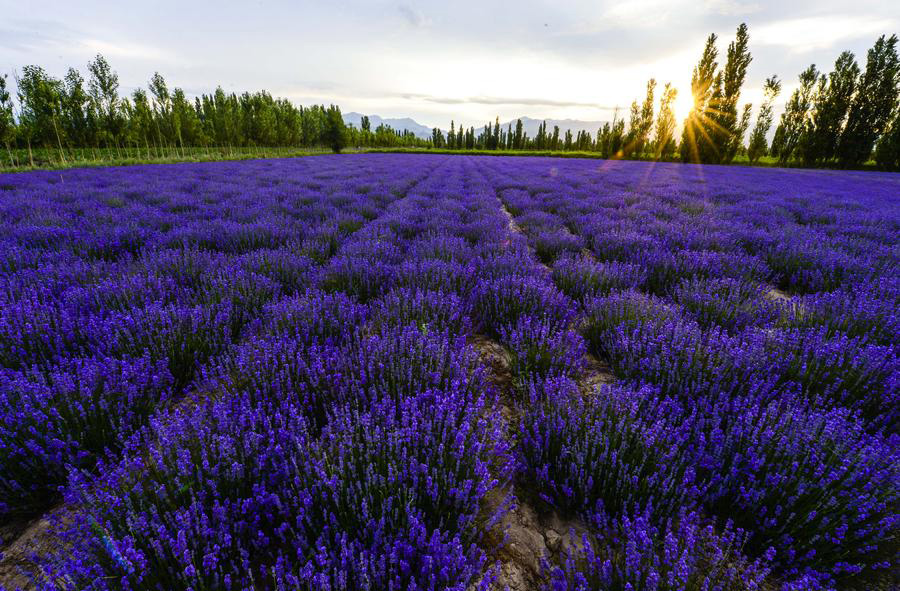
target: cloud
<point>820,32</point>
<point>125,50</point>
<point>731,7</point>
<point>500,100</point>
<point>413,16</point>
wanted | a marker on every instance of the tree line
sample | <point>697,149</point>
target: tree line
<point>843,118</point>
<point>74,112</point>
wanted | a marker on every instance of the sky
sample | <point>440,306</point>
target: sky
<point>437,60</point>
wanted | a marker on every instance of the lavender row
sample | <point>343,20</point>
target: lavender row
<point>736,409</point>
<point>350,439</point>
<point>119,286</point>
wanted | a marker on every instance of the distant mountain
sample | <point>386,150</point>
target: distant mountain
<point>404,124</point>
<point>530,126</point>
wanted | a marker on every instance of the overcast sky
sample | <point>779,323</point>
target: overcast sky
<point>437,60</point>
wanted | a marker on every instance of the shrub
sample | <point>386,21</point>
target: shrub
<point>314,317</point>
<point>407,360</point>
<point>813,485</point>
<point>429,310</point>
<point>612,450</point>
<point>550,244</point>
<point>501,302</point>
<point>732,304</point>
<point>581,278</point>
<point>182,336</point>
<point>538,349</point>
<point>363,278</point>
<point>634,553</point>
<point>69,416</point>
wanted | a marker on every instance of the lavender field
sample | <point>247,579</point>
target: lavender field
<point>425,372</point>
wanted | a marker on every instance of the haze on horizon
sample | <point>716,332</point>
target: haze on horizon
<point>436,61</point>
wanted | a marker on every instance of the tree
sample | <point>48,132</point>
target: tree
<point>104,91</point>
<point>641,122</point>
<point>795,119</point>
<point>873,105</point>
<point>77,122</point>
<point>437,138</point>
<point>141,119</point>
<point>729,130</point>
<point>365,124</point>
<point>162,110</point>
<point>7,121</point>
<point>757,144</point>
<point>518,143</point>
<point>887,152</point>
<point>665,124</point>
<point>696,135</point>
<point>736,142</point>
<point>40,97</point>
<point>829,111</point>
<point>335,130</point>
<point>712,129</point>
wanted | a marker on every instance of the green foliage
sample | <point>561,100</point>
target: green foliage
<point>874,103</point>
<point>713,132</point>
<point>795,119</point>
<point>757,146</point>
<point>335,131</point>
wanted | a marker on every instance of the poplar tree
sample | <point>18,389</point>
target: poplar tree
<point>736,143</point>
<point>873,105</point>
<point>887,151</point>
<point>645,124</point>
<point>795,119</point>
<point>7,121</point>
<point>696,135</point>
<point>729,130</point>
<point>162,109</point>
<point>141,119</point>
<point>829,111</point>
<point>335,130</point>
<point>518,140</point>
<point>712,128</point>
<point>104,92</point>
<point>758,145</point>
<point>40,97</point>
<point>665,124</point>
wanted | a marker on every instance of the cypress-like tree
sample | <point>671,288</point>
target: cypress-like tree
<point>873,105</point>
<point>77,119</point>
<point>104,92</point>
<point>887,151</point>
<point>664,143</point>
<point>162,110</point>
<point>829,111</point>
<point>518,142</point>
<point>7,121</point>
<point>757,144</point>
<point>40,97</point>
<point>711,129</point>
<point>641,134</point>
<point>335,130</point>
<point>728,129</point>
<point>795,119</point>
<point>696,136</point>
